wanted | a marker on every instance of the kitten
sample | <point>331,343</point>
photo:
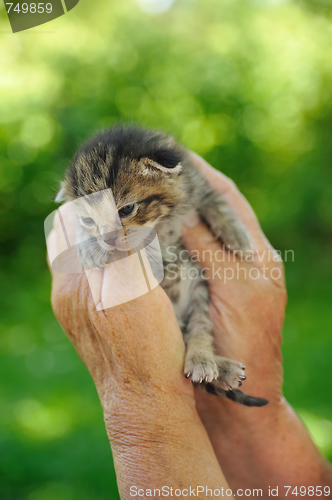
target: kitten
<point>154,184</point>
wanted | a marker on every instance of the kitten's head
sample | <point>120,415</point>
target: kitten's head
<point>124,179</point>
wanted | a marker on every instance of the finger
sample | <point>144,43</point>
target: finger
<point>124,280</point>
<point>65,223</point>
<point>226,187</point>
<point>52,251</point>
<point>95,279</point>
<point>57,245</point>
<point>150,272</point>
<point>61,243</point>
<point>219,263</point>
<point>132,276</point>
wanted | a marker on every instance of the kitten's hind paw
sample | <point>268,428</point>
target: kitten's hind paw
<point>200,369</point>
<point>231,373</point>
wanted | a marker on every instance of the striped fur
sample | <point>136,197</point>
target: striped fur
<point>151,172</point>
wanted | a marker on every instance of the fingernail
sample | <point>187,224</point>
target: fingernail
<point>192,219</point>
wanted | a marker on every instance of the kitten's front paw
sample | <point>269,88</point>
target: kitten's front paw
<point>200,368</point>
<point>235,237</point>
<point>231,373</point>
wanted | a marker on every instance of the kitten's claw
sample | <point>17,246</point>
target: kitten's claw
<point>236,237</point>
<point>231,373</point>
<point>201,369</point>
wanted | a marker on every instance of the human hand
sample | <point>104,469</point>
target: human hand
<point>255,446</point>
<point>247,294</point>
<point>134,352</point>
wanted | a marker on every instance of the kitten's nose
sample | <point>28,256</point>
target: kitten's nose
<point>108,234</point>
<point>109,238</point>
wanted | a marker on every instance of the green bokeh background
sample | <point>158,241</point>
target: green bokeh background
<point>245,83</point>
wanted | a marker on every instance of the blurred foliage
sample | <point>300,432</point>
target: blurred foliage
<point>245,83</point>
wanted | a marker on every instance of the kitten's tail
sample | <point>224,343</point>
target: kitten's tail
<point>235,395</point>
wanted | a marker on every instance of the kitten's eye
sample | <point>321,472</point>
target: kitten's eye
<point>127,210</point>
<point>88,221</point>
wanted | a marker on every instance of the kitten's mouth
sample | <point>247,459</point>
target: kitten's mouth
<point>113,242</point>
<point>111,246</point>
<point>124,240</point>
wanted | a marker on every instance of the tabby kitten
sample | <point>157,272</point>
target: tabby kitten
<point>154,184</point>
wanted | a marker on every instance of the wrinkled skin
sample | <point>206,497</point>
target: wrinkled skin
<point>161,430</point>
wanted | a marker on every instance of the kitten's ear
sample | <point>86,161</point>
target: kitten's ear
<point>152,167</point>
<point>61,195</point>
<point>164,159</point>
